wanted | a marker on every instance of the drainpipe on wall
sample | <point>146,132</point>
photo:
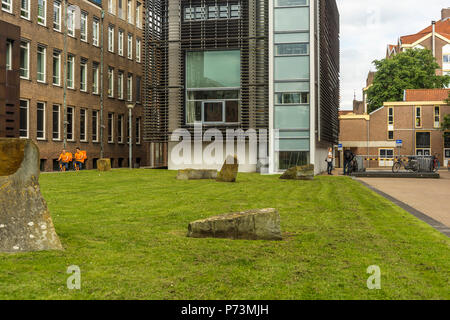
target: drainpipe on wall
<point>65,76</point>
<point>102,126</point>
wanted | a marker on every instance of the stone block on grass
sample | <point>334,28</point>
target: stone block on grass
<point>229,170</point>
<point>259,224</point>
<point>193,174</point>
<point>25,222</point>
<point>299,173</point>
<point>104,164</point>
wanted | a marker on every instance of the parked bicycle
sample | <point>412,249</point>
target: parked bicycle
<point>411,165</point>
<point>436,164</point>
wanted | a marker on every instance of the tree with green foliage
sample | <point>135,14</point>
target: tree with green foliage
<point>445,125</point>
<point>411,69</point>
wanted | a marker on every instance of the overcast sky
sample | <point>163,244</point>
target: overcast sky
<point>367,26</point>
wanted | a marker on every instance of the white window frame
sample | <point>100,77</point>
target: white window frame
<point>43,120</point>
<point>130,12</point>
<point>138,15</point>
<point>110,82</point>
<point>58,55</point>
<point>28,119</point>
<point>27,47</point>
<point>138,130</point>
<point>9,45</point>
<point>95,78</point>
<point>71,58</point>
<point>138,50</point>
<point>45,63</point>
<point>96,126</point>
<point>84,21</point>
<point>57,6</point>
<point>120,42</point>
<point>120,85</point>
<point>130,46</point>
<point>71,21</point>
<point>130,87</point>
<point>111,7</point>
<point>43,21</point>
<point>120,124</point>
<point>25,12</point>
<point>84,65</point>
<point>59,122</point>
<point>111,139</point>
<point>111,38</point>
<point>120,10</point>
<point>7,5</point>
<point>95,31</point>
<point>73,123</point>
<point>437,124</point>
<point>85,124</point>
<point>382,162</point>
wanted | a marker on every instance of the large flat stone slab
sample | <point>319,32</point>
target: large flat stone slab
<point>259,224</point>
<point>193,174</point>
<point>25,222</point>
<point>299,173</point>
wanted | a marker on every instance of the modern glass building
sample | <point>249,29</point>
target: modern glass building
<point>271,66</point>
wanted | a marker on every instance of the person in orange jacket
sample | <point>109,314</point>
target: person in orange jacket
<point>80,157</point>
<point>64,160</point>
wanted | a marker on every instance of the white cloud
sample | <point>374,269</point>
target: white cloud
<point>368,26</point>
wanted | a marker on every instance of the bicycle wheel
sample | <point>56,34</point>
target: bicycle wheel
<point>396,167</point>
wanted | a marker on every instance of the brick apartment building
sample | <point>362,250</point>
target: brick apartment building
<point>416,121</point>
<point>435,37</point>
<point>103,52</point>
<point>9,80</point>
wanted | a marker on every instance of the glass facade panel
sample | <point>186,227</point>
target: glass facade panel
<point>288,49</point>
<point>290,19</point>
<point>291,86</point>
<point>290,3</point>
<point>290,68</point>
<point>293,134</point>
<point>294,145</point>
<point>288,159</point>
<point>291,37</point>
<point>210,69</point>
<point>292,117</point>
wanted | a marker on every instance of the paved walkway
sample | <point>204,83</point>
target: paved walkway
<point>429,196</point>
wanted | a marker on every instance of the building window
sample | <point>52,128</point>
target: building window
<point>288,159</point>
<point>7,5</point>
<point>291,49</point>
<point>25,9</point>
<point>24,118</point>
<point>83,126</point>
<point>120,85</point>
<point>138,15</point>
<point>42,12</point>
<point>212,12</point>
<point>120,10</point>
<point>188,13</point>
<point>70,115</point>
<point>40,121</point>
<point>41,59</point>
<point>70,71</point>
<point>56,68</point>
<point>390,116</point>
<point>138,50</point>
<point>95,31</point>
<point>56,127</point>
<point>446,58</point>
<point>120,128</point>
<point>120,43</point>
<point>437,116</point>
<point>390,135</point>
<point>130,12</point>
<point>9,46</point>
<point>291,3</point>
<point>212,97</point>
<point>418,117</point>
<point>83,75</point>
<point>130,87</point>
<point>235,11</point>
<point>25,60</point>
<point>95,78</point>
<point>57,15</point>
<point>95,126</point>
<point>423,144</point>
<point>112,6</point>
<point>292,98</point>
<point>138,130</point>
<point>130,47</point>
<point>111,38</point>
<point>71,21</point>
<point>386,157</point>
<point>110,82</point>
<point>110,127</point>
<point>138,89</point>
<point>83,26</point>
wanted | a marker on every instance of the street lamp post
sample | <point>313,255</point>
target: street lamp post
<point>130,107</point>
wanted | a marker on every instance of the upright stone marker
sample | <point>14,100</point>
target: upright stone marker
<point>104,164</point>
<point>229,170</point>
<point>25,222</point>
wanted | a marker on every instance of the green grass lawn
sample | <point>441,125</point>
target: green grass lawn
<point>127,232</point>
